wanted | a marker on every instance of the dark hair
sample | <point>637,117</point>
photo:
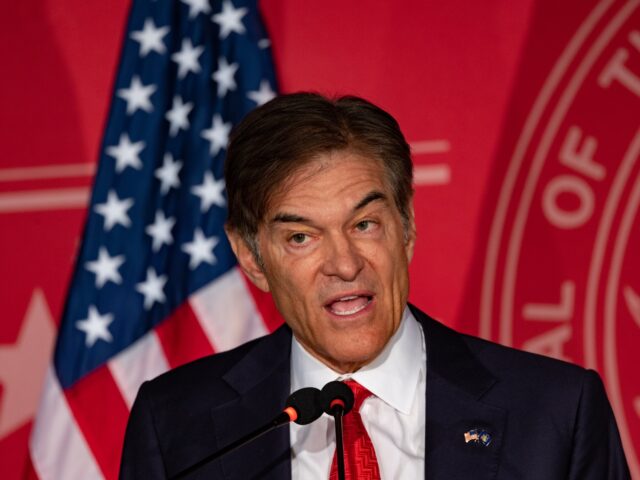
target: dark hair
<point>276,139</point>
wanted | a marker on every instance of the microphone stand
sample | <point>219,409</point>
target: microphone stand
<point>302,407</point>
<point>337,415</point>
<point>281,419</point>
<point>336,399</point>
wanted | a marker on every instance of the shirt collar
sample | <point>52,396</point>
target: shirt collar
<point>392,376</point>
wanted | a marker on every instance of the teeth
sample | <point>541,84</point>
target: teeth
<point>351,311</point>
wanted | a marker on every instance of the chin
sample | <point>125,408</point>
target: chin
<point>355,356</point>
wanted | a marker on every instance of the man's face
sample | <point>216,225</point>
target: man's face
<point>335,258</point>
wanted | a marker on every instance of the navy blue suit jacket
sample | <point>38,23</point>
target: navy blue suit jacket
<point>548,419</point>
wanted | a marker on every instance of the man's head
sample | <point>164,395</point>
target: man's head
<point>320,215</point>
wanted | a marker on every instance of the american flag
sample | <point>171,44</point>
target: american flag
<point>155,283</point>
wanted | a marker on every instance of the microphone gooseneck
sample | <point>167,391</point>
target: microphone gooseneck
<point>337,399</point>
<point>302,407</point>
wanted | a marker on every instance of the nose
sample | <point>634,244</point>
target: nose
<point>342,258</point>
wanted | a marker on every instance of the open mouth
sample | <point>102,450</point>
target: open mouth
<point>349,304</point>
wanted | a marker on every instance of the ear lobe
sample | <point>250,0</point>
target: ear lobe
<point>247,260</point>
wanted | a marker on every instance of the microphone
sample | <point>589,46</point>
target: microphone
<point>302,407</point>
<point>336,399</point>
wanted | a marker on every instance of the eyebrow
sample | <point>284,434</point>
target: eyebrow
<point>293,218</point>
<point>370,197</point>
<point>288,218</point>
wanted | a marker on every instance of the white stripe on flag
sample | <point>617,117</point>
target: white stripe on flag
<point>142,361</point>
<point>58,449</point>
<point>227,313</point>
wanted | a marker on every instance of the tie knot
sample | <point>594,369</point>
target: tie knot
<point>360,394</point>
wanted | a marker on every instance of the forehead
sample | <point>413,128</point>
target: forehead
<point>330,180</point>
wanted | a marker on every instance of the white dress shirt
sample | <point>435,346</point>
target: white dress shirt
<point>394,416</point>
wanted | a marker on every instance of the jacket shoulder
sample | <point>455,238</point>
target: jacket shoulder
<point>204,379</point>
<point>519,376</point>
<point>507,359</point>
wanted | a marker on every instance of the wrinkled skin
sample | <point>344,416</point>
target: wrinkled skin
<point>335,257</point>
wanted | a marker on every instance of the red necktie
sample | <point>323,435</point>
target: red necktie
<point>360,462</point>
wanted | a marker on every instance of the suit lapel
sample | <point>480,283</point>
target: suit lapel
<point>456,383</point>
<point>262,381</point>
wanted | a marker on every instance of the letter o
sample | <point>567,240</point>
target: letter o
<point>572,185</point>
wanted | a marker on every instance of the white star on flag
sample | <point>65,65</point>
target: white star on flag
<point>218,134</point>
<point>178,115</point>
<point>168,173</point>
<point>197,6</point>
<point>150,38</point>
<point>151,288</point>
<point>114,211</point>
<point>200,249</point>
<point>126,153</point>
<point>105,268</point>
<point>160,230</point>
<point>263,94</point>
<point>230,19</point>
<point>187,58</point>
<point>224,76</point>
<point>95,326</point>
<point>137,96</point>
<point>210,192</point>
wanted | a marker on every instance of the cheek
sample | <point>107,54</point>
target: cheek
<point>395,273</point>
<point>292,291</point>
<point>387,259</point>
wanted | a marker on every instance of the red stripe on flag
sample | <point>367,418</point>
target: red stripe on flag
<point>102,414</point>
<point>182,337</point>
<point>29,472</point>
<point>265,305</point>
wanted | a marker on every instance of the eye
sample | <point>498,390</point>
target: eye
<point>364,225</point>
<point>299,238</point>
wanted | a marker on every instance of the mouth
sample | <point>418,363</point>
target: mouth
<point>348,305</point>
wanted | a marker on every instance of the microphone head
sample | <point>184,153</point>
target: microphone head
<point>306,403</point>
<point>336,393</point>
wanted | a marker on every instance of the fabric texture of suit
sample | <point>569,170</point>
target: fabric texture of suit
<point>547,419</point>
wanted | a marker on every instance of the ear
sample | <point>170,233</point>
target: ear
<point>410,240</point>
<point>247,260</point>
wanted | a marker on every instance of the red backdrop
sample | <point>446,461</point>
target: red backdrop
<point>524,122</point>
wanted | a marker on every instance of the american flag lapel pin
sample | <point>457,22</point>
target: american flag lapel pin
<point>478,436</point>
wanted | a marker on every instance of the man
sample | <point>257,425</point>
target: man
<point>320,215</point>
